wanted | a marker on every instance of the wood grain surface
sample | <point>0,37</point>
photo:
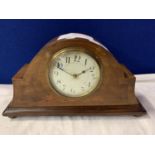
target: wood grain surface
<point>34,95</point>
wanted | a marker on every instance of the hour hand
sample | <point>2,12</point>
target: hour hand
<point>84,71</point>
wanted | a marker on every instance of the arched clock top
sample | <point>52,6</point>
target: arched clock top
<point>73,74</point>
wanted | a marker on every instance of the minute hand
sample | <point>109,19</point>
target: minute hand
<point>65,71</point>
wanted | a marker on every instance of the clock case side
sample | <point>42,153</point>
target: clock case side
<point>33,95</point>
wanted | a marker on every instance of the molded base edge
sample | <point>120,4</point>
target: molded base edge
<point>136,110</point>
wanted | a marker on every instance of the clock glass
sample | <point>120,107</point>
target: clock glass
<point>73,72</point>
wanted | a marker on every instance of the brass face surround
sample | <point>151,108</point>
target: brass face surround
<point>75,49</point>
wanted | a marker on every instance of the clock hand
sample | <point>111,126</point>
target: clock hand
<point>64,71</point>
<point>84,71</point>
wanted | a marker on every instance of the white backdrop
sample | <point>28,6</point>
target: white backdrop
<point>145,91</point>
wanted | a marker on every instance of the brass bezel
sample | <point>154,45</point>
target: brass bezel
<point>81,49</point>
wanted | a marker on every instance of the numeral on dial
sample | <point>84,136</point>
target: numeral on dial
<point>92,69</point>
<point>72,91</point>
<point>58,81</point>
<point>59,65</point>
<point>85,61</point>
<point>64,86</point>
<point>82,88</point>
<point>68,60</point>
<point>56,73</point>
<point>77,58</point>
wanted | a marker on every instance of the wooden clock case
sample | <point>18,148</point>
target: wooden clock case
<point>34,95</point>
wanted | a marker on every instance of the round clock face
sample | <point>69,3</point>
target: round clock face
<point>74,73</point>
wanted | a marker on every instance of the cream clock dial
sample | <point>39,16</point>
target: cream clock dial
<point>74,73</point>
